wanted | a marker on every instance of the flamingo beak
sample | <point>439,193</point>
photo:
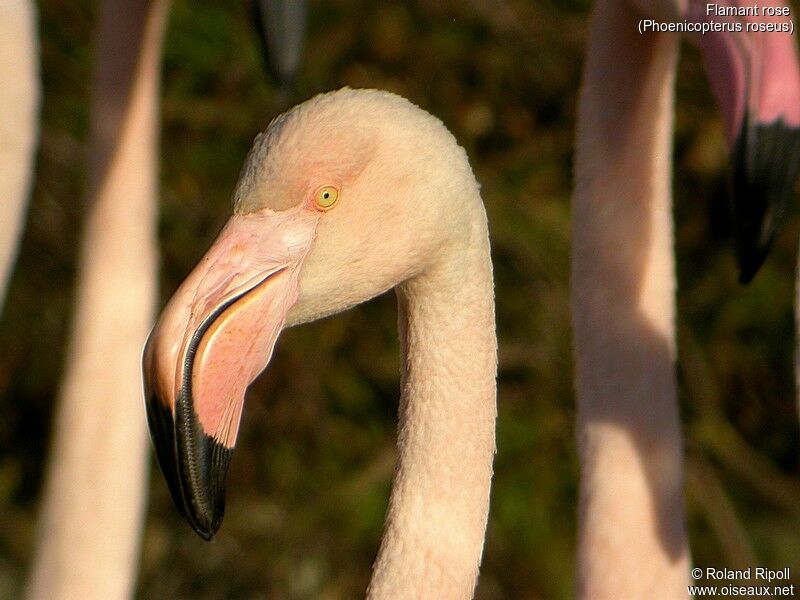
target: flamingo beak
<point>756,80</point>
<point>766,165</point>
<point>214,337</point>
<point>281,26</point>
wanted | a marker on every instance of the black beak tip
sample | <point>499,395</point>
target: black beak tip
<point>205,517</point>
<point>749,266</point>
<point>206,534</point>
<point>194,466</point>
<point>281,30</point>
<point>765,170</point>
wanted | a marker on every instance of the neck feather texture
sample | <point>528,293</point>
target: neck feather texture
<point>440,499</point>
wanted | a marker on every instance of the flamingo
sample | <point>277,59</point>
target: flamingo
<point>342,198</point>
<point>93,499</point>
<point>632,539</point>
<point>19,111</point>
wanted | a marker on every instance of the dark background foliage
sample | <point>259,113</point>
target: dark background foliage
<point>309,484</point>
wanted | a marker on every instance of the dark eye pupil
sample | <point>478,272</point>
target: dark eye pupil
<point>326,195</point>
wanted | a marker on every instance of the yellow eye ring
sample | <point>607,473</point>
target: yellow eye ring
<point>326,197</point>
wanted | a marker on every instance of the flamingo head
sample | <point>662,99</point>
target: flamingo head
<point>339,200</point>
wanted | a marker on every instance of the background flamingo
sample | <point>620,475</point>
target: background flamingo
<point>308,510</point>
<point>91,519</point>
<point>19,124</point>
<point>632,537</point>
<point>98,471</point>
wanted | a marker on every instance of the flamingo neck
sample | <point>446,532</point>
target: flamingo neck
<point>439,503</point>
<point>19,129</point>
<point>94,495</point>
<point>632,539</point>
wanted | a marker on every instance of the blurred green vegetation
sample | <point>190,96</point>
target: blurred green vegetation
<point>309,483</point>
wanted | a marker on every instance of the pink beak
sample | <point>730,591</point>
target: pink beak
<point>214,337</point>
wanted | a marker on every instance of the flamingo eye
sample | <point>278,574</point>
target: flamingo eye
<point>326,197</point>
